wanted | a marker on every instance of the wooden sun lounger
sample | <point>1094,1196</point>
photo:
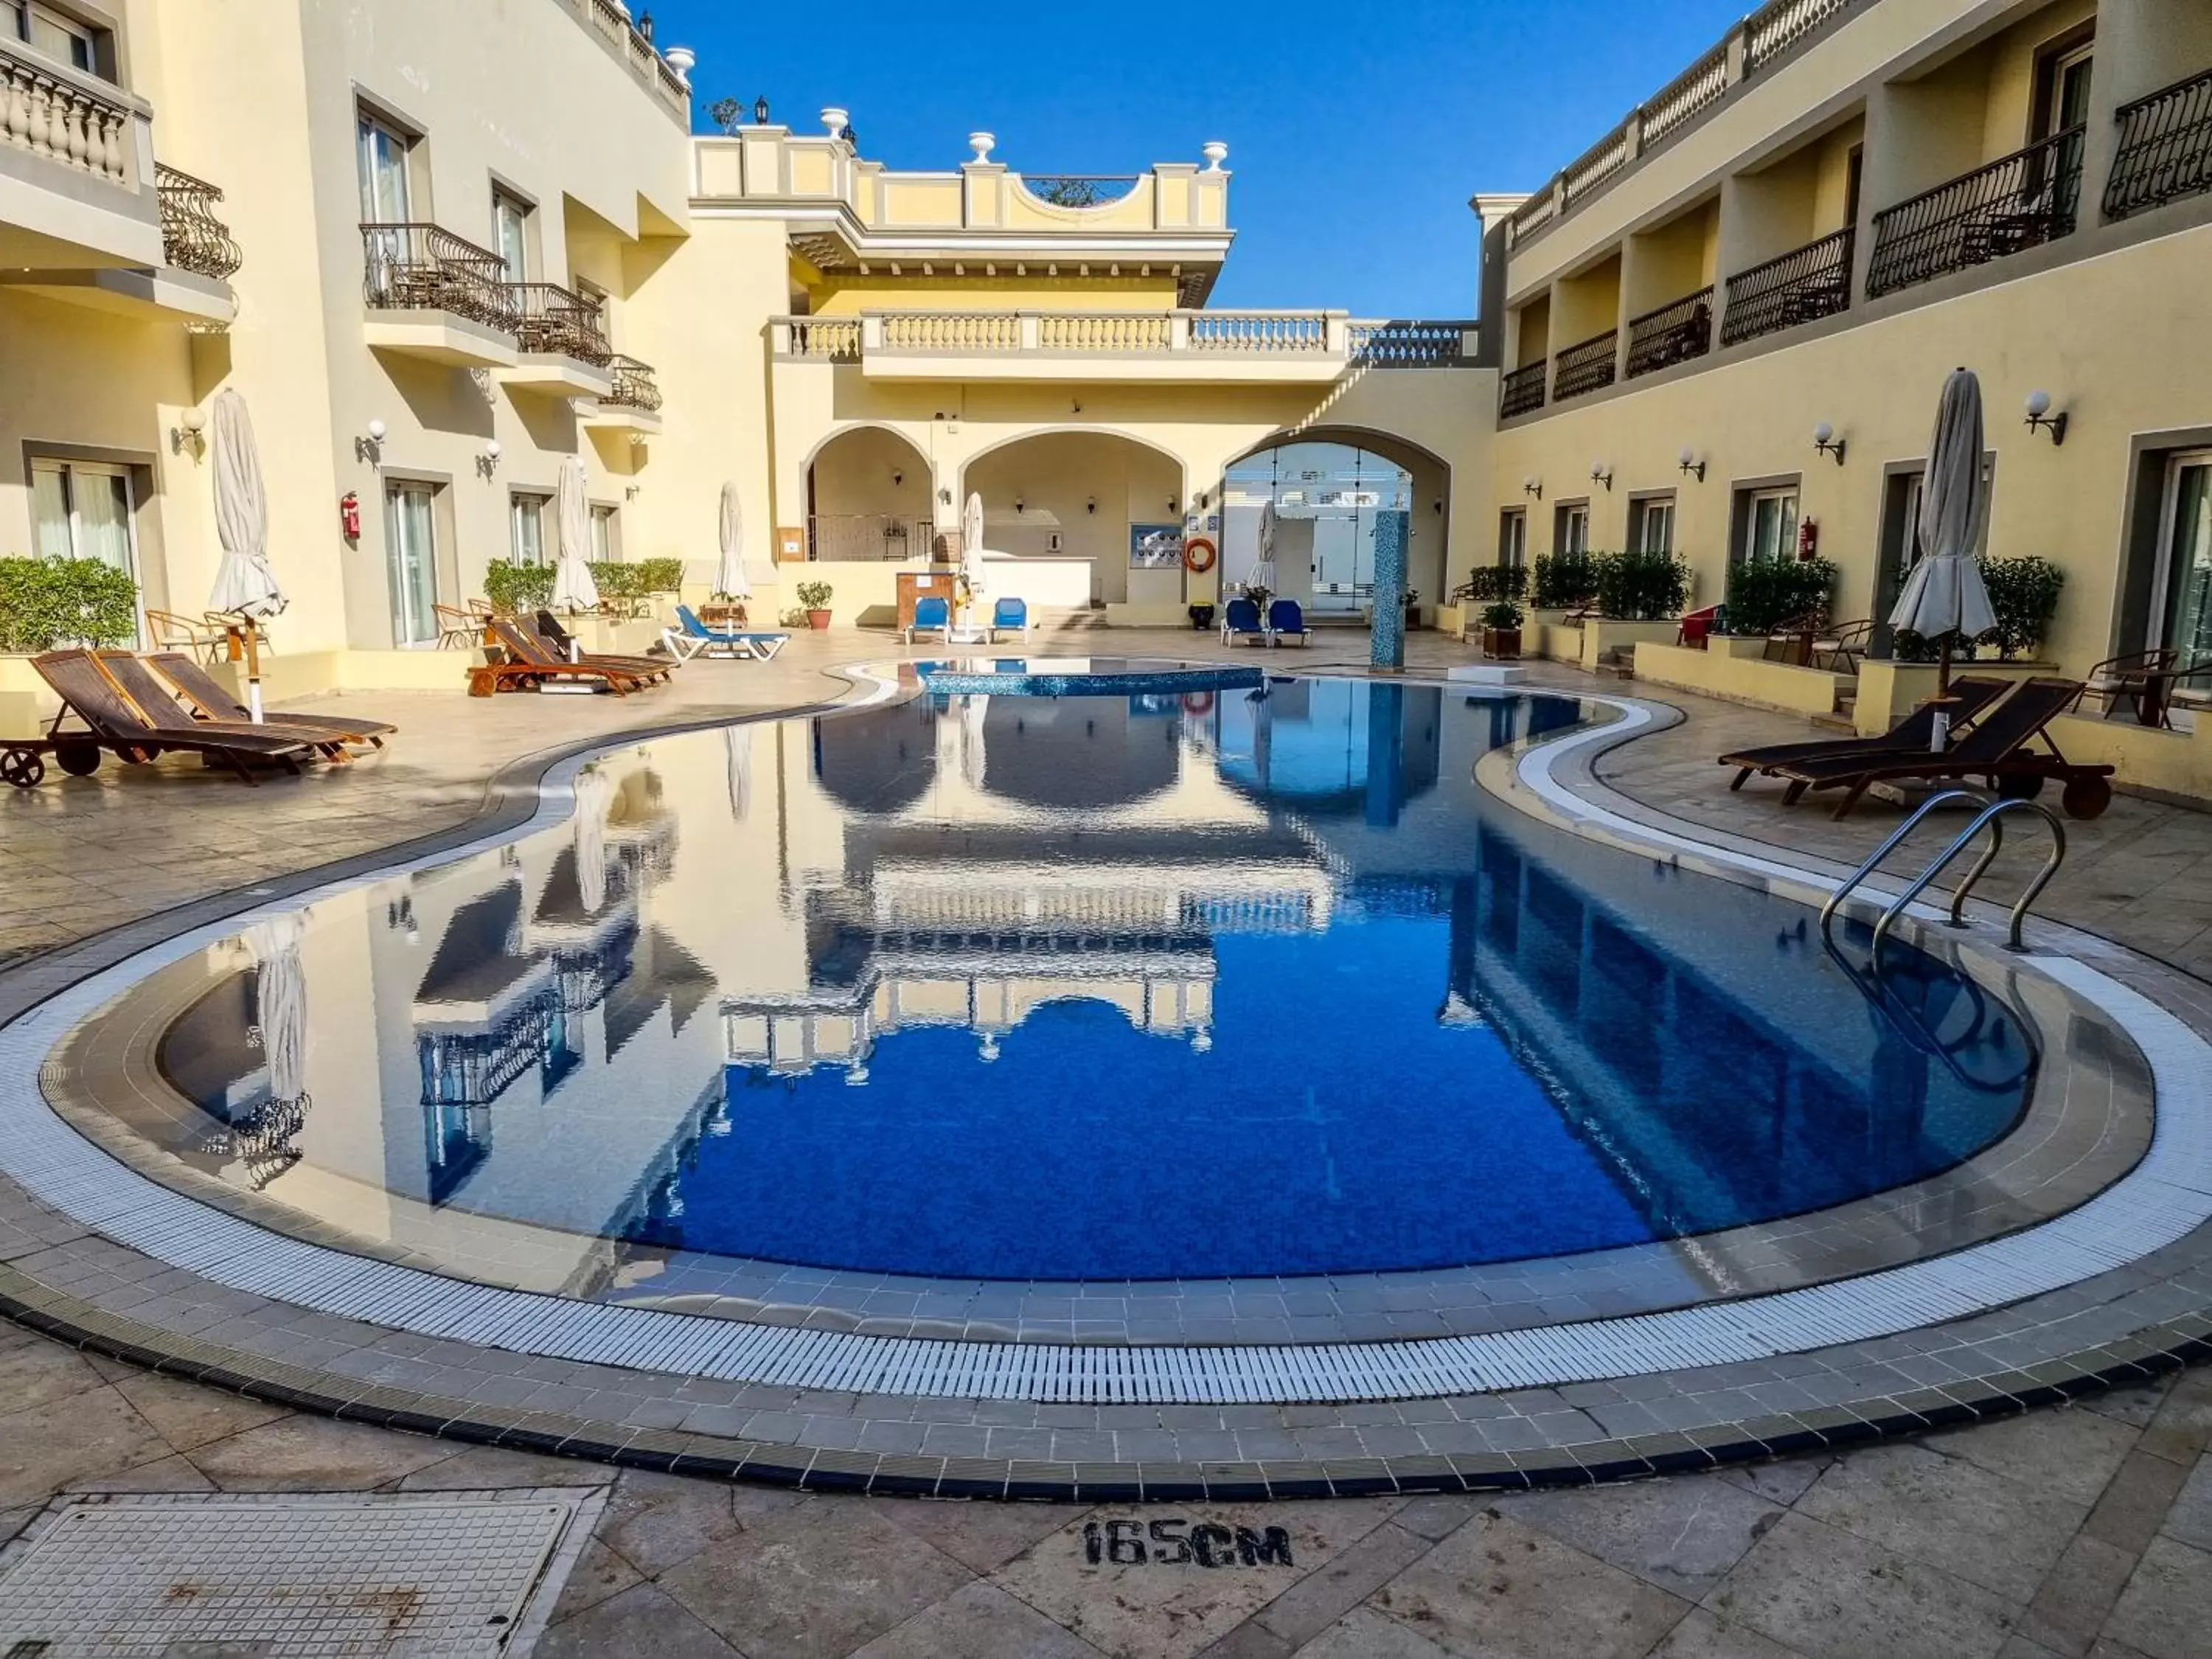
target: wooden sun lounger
<point>1910,736</point>
<point>546,633</point>
<point>211,701</point>
<point>153,697</point>
<point>1994,750</point>
<point>530,665</point>
<point>113,722</point>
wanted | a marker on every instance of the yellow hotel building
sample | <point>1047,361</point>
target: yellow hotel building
<point>441,248</point>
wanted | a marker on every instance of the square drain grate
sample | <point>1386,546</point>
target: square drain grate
<point>424,1576</point>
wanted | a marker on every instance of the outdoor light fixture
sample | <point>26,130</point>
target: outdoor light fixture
<point>487,463</point>
<point>1018,505</point>
<point>898,477</point>
<point>1826,441</point>
<point>1533,486</point>
<point>1090,505</point>
<point>1600,473</point>
<point>945,496</point>
<point>760,111</point>
<point>1171,503</point>
<point>2040,419</point>
<point>370,449</point>
<point>190,432</point>
<point>1691,463</point>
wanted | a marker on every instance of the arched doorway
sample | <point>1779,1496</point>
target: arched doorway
<point>1076,498</point>
<point>868,497</point>
<point>1334,493</point>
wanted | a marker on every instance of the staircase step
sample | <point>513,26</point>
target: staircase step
<point>1839,722</point>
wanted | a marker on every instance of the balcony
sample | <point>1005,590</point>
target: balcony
<point>193,237</point>
<point>1522,390</point>
<point>78,191</point>
<point>1801,286</point>
<point>2016,202</point>
<point>2165,150</point>
<point>1675,333</point>
<point>565,350</point>
<point>189,283</point>
<point>438,297</point>
<point>632,402</point>
<point>864,538</point>
<point>1179,345</point>
<point>1587,365</point>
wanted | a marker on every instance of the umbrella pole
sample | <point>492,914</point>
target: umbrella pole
<point>253,673</point>
<point>1941,734</point>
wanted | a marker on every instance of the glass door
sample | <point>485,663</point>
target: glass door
<point>526,527</point>
<point>382,156</point>
<point>2184,602</point>
<point>511,219</point>
<point>1772,531</point>
<point>411,563</point>
<point>82,510</point>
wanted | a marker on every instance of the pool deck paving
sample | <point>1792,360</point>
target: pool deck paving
<point>2083,1530</point>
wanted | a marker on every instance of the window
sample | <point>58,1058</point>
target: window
<point>1570,528</point>
<point>82,511</point>
<point>511,234</point>
<point>382,150</point>
<point>1651,524</point>
<point>1770,525</point>
<point>606,536</point>
<point>410,547</point>
<point>2063,90</point>
<point>2181,601</point>
<point>1513,536</point>
<point>55,34</point>
<point>526,519</point>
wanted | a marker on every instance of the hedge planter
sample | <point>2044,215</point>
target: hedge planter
<point>1502,644</point>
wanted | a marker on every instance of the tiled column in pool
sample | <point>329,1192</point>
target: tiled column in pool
<point>1109,1037</point>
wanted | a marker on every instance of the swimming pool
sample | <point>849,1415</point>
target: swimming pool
<point>1248,982</point>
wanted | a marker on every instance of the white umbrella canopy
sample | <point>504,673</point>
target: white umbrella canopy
<point>244,583</point>
<point>1944,595</point>
<point>1263,569</point>
<point>971,527</point>
<point>573,587</point>
<point>730,580</point>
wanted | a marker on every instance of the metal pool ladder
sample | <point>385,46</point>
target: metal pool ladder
<point>1992,816</point>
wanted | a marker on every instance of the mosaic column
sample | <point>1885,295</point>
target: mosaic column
<point>1387,639</point>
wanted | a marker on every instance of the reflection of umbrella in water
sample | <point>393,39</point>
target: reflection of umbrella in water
<point>1945,596</point>
<point>972,710</point>
<point>737,742</point>
<point>594,791</point>
<point>280,993</point>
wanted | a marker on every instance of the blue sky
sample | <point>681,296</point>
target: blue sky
<point>1356,133</point>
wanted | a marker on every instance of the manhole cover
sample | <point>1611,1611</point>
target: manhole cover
<point>341,1575</point>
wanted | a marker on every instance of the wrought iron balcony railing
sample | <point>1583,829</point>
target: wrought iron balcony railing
<point>1674,333</point>
<point>2165,150</point>
<point>2016,202</point>
<point>416,267</point>
<point>861,538</point>
<point>193,237</point>
<point>560,321</point>
<point>1806,284</point>
<point>1585,366</point>
<point>635,387</point>
<point>1521,390</point>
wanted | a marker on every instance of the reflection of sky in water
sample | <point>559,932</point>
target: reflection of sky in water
<point>1248,983</point>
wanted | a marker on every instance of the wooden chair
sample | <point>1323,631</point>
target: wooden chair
<point>458,629</point>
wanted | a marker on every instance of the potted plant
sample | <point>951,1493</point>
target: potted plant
<point>814,599</point>
<point>1501,631</point>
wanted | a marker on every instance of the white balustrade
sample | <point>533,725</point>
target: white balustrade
<point>66,116</point>
<point>1259,331</point>
<point>1376,342</point>
<point>1104,331</point>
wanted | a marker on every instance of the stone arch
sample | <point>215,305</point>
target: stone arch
<point>869,488</point>
<point>1076,492</point>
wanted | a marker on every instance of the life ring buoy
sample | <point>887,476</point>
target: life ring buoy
<point>1197,703</point>
<point>1197,556</point>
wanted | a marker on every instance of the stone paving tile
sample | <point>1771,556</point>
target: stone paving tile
<point>1832,1596</point>
<point>656,1521</point>
<point>1497,1588</point>
<point>2077,1597</point>
<point>2165,1612</point>
<point>1324,1596</point>
<point>1682,1534</point>
<point>981,1535</point>
<point>642,1620</point>
<point>598,1574</point>
<point>189,1415</point>
<point>91,1433</point>
<point>978,1621</point>
<point>176,1474</point>
<point>1703,1636</point>
<point>317,1454</point>
<point>2068,1451</point>
<point>2189,1519</point>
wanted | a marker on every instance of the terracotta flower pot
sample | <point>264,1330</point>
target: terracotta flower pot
<point>818,620</point>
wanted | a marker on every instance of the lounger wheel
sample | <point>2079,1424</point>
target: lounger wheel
<point>79,760</point>
<point>2087,797</point>
<point>23,767</point>
<point>2020,786</point>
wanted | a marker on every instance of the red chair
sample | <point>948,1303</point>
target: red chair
<point>1698,627</point>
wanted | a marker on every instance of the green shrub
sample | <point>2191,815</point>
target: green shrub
<point>2024,593</point>
<point>1765,593</point>
<point>1642,587</point>
<point>814,596</point>
<point>1566,581</point>
<point>662,575</point>
<point>1488,582</point>
<point>45,603</point>
<point>517,587</point>
<point>1501,615</point>
<point>618,581</point>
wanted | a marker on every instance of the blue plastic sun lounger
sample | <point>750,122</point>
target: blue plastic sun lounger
<point>1240,620</point>
<point>932,615</point>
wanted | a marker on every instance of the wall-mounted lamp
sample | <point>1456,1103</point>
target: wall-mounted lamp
<point>1691,463</point>
<point>1019,506</point>
<point>1827,443</point>
<point>945,496</point>
<point>1438,506</point>
<point>1074,407</point>
<point>1090,505</point>
<point>370,447</point>
<point>898,477</point>
<point>190,432</point>
<point>1171,503</point>
<point>487,463</point>
<point>1600,473</point>
<point>1533,486</point>
<point>2040,419</point>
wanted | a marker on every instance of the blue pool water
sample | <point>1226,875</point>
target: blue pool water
<point>1253,983</point>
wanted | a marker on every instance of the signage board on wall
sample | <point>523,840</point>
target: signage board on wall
<point>1155,546</point>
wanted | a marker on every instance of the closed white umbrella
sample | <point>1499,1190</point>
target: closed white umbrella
<point>595,792</point>
<point>1945,595</point>
<point>244,584</point>
<point>573,587</point>
<point>971,553</point>
<point>730,581</point>
<point>1263,567</point>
